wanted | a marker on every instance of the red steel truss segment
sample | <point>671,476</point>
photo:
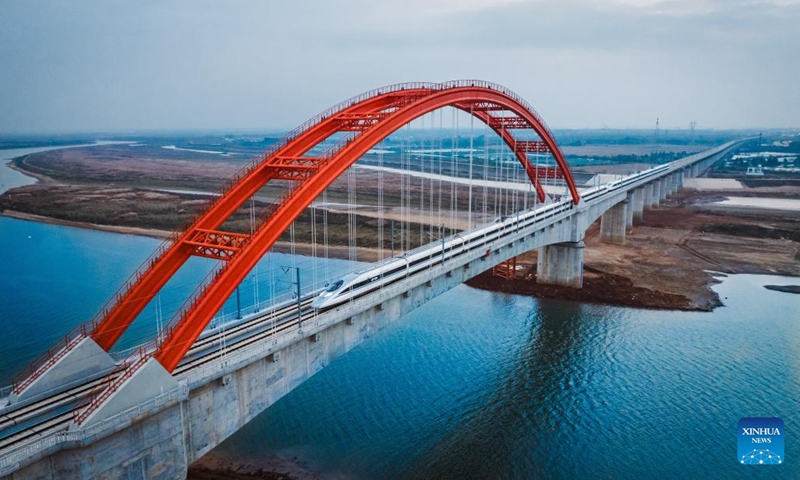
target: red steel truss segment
<point>179,336</point>
<point>217,245</point>
<point>516,123</point>
<point>531,146</point>
<point>520,147</point>
<point>509,139</point>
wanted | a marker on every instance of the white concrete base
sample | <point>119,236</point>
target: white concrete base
<point>146,383</point>
<point>84,360</point>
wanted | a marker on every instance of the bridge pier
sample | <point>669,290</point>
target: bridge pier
<point>664,189</point>
<point>629,201</point>
<point>656,193</point>
<point>638,204</point>
<point>561,264</point>
<point>612,224</point>
<point>648,196</point>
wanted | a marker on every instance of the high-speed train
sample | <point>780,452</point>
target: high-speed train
<point>355,285</point>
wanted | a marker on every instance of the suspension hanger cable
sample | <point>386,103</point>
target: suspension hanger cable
<point>255,268</point>
<point>422,182</point>
<point>486,156</point>
<point>380,202</point>
<point>325,234</point>
<point>469,199</point>
<point>439,161</point>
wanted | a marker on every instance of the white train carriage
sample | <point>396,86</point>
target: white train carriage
<point>357,284</point>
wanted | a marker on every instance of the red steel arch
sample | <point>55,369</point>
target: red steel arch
<point>369,118</point>
<point>374,119</point>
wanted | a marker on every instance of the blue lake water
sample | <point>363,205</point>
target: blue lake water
<point>54,278</point>
<point>474,384</point>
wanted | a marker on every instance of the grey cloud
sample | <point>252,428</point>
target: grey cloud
<point>122,64</point>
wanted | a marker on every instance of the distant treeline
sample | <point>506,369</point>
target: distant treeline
<point>577,138</point>
<point>651,158</point>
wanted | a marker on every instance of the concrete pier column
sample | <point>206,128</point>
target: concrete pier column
<point>629,209</point>
<point>648,196</point>
<point>612,224</point>
<point>638,204</point>
<point>656,193</point>
<point>561,264</point>
<point>664,189</point>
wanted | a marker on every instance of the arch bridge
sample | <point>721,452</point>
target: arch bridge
<point>196,398</point>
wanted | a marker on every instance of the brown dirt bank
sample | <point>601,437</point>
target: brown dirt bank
<point>784,288</point>
<point>598,287</point>
<point>666,260</point>
<point>122,166</point>
<point>152,213</point>
<point>275,467</point>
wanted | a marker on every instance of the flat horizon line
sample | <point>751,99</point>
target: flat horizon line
<point>281,131</point>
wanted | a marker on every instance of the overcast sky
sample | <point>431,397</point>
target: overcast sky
<point>258,64</point>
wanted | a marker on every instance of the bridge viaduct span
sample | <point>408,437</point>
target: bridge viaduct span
<point>159,413</point>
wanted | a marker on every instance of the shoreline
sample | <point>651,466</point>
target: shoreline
<point>599,287</point>
<point>12,165</point>
<point>143,232</point>
<point>286,465</point>
<point>339,252</point>
<point>662,265</point>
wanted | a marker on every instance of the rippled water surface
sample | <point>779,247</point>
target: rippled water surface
<point>483,385</point>
<point>476,384</point>
<point>53,278</point>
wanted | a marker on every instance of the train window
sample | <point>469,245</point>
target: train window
<point>334,286</point>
